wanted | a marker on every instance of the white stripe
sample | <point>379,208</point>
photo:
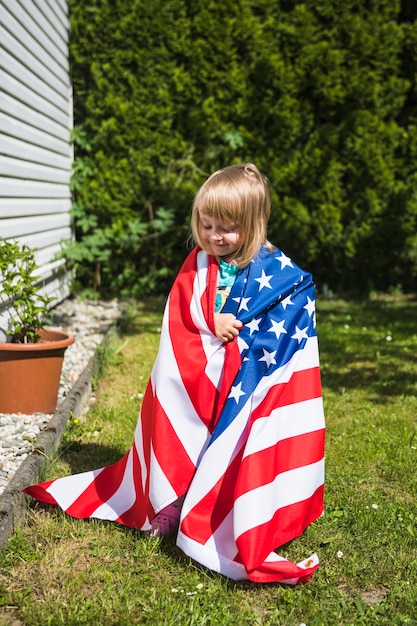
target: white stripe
<point>285,422</point>
<point>312,560</point>
<point>122,499</point>
<point>273,557</point>
<point>209,556</point>
<point>68,489</point>
<point>259,505</point>
<point>174,399</point>
<point>199,287</point>
<point>212,346</point>
<point>215,354</point>
<point>139,445</point>
<point>216,459</point>
<point>306,358</point>
<point>224,536</point>
<point>161,492</point>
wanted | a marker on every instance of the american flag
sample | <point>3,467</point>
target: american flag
<point>237,427</point>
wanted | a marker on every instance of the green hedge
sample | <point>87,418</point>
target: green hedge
<point>320,94</point>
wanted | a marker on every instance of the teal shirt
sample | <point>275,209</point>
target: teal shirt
<point>225,280</point>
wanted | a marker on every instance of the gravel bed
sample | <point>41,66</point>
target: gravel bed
<point>88,322</point>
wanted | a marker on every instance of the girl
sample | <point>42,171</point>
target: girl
<point>229,445</point>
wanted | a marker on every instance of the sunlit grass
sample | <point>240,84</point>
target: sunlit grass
<point>58,570</point>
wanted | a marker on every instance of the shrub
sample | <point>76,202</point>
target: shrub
<point>321,95</point>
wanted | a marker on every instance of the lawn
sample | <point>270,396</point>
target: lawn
<point>58,570</point>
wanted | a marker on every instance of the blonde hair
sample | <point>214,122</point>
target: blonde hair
<point>238,194</point>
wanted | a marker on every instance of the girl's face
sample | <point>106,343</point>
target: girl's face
<point>223,239</point>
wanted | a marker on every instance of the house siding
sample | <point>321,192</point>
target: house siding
<point>35,124</point>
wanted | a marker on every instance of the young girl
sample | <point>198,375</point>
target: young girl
<point>229,446</point>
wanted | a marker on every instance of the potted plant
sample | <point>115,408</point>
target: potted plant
<point>31,358</point>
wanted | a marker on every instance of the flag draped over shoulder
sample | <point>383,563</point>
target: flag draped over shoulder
<point>237,427</point>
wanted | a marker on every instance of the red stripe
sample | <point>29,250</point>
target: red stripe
<point>145,423</point>
<point>100,489</point>
<point>185,339</point>
<point>287,523</point>
<point>170,452</point>
<point>204,519</point>
<point>278,571</point>
<point>263,467</point>
<point>208,298</point>
<point>303,385</point>
<point>39,492</point>
<point>135,517</point>
<point>231,367</point>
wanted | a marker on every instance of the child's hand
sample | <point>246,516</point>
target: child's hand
<point>226,326</point>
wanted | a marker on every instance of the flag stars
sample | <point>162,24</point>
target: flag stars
<point>236,392</point>
<point>253,325</point>
<point>287,302</point>
<point>300,334</point>
<point>277,328</point>
<point>264,281</point>
<point>310,307</point>
<point>284,260</point>
<point>268,357</point>
<point>243,303</point>
<point>242,345</point>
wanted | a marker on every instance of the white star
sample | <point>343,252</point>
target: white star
<point>241,343</point>
<point>286,302</point>
<point>243,306</point>
<point>310,306</point>
<point>253,325</point>
<point>300,334</point>
<point>277,328</point>
<point>236,392</point>
<point>284,260</point>
<point>268,357</point>
<point>263,281</point>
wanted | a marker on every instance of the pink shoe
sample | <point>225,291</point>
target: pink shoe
<point>165,522</point>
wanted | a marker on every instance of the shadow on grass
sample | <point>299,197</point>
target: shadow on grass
<point>370,345</point>
<point>140,317</point>
<point>85,457</point>
<point>169,548</point>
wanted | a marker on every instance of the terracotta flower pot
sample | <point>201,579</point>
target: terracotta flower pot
<point>30,373</point>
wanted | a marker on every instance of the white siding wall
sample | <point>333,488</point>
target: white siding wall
<point>35,123</point>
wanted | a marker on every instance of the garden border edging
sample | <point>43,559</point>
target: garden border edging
<point>13,502</point>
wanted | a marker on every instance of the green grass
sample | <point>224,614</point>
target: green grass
<point>58,570</point>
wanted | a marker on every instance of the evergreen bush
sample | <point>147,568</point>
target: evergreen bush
<point>320,94</point>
